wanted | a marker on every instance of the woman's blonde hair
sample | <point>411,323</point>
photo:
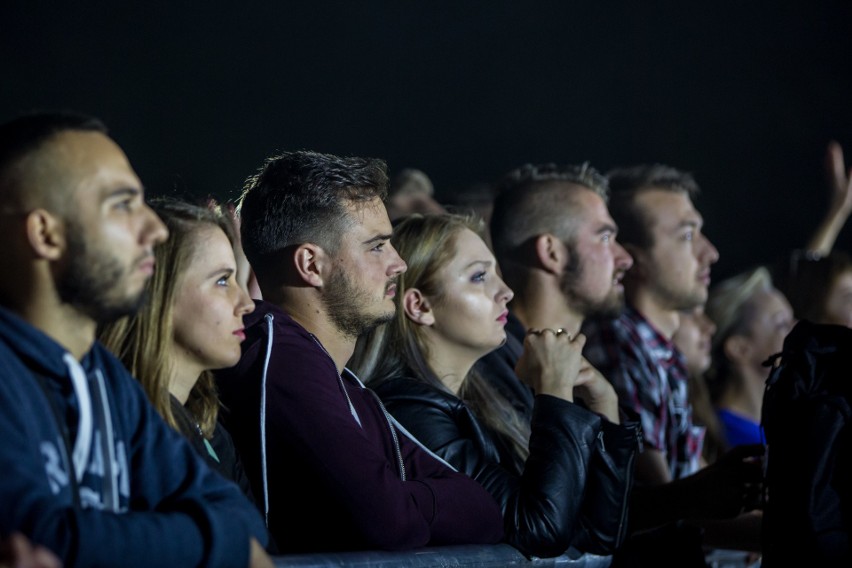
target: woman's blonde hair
<point>427,243</point>
<point>729,306</point>
<point>142,340</point>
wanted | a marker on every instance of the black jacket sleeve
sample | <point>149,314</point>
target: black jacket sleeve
<point>542,505</point>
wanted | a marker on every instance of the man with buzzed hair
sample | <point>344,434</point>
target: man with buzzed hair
<point>555,244</point>
<point>333,469</point>
<point>90,470</point>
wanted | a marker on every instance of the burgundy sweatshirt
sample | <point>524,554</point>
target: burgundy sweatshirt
<point>326,466</point>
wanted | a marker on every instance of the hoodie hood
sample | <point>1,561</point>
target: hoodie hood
<point>38,350</point>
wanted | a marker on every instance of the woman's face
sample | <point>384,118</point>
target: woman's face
<point>693,338</point>
<point>209,305</point>
<point>471,313</point>
<point>770,320</point>
<point>838,304</point>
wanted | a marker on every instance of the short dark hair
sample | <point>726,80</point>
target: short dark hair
<point>531,200</point>
<point>626,183</point>
<point>301,196</point>
<point>26,133</point>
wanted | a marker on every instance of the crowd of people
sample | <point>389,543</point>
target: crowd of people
<point>341,362</point>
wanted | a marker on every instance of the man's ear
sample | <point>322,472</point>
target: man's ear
<point>310,261</point>
<point>551,253</point>
<point>46,234</point>
<point>417,307</point>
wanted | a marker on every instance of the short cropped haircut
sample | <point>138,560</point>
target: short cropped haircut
<point>626,183</point>
<point>535,199</point>
<point>24,135</point>
<point>301,196</point>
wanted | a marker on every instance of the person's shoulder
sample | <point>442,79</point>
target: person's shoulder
<point>24,344</point>
<point>101,360</point>
<point>411,390</point>
<point>271,332</point>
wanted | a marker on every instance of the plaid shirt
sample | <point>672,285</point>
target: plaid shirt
<point>649,374</point>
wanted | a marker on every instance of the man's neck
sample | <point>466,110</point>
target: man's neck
<point>66,325</point>
<point>546,310</point>
<point>313,318</point>
<point>664,320</point>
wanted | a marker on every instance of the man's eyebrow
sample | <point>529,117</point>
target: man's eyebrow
<point>378,238</point>
<point>607,228</point>
<point>125,191</point>
<point>690,223</point>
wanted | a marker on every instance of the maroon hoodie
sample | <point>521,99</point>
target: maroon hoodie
<point>329,467</point>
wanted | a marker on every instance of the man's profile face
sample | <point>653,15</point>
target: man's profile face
<point>110,231</point>
<point>677,266</point>
<point>593,284</point>
<point>360,289</point>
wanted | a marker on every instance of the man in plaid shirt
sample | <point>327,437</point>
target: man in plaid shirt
<point>661,229</point>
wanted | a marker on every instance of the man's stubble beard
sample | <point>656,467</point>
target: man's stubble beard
<point>611,306</point>
<point>91,279</point>
<point>345,304</point>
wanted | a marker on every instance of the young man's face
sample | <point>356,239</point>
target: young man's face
<point>594,286</point>
<point>110,231</point>
<point>362,283</point>
<point>676,268</point>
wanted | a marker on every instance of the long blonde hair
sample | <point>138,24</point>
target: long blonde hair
<point>427,243</point>
<point>142,340</point>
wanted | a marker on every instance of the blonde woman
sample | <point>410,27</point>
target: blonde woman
<point>546,473</point>
<point>752,319</point>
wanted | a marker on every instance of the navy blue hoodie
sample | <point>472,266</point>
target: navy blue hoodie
<point>126,489</point>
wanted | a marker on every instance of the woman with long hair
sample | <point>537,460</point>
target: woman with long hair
<point>190,324</point>
<point>451,310</point>
<point>752,319</point>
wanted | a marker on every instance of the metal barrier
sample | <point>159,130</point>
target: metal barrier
<point>468,556</point>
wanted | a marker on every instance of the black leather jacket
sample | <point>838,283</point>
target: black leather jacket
<point>573,489</point>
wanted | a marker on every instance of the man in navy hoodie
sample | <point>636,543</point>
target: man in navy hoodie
<point>333,469</point>
<point>90,470</point>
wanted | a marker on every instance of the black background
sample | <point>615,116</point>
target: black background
<point>745,95</point>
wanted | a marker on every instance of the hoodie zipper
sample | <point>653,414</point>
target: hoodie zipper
<point>397,450</point>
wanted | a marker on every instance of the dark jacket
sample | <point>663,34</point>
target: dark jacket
<point>326,461</point>
<point>218,451</point>
<point>543,502</point>
<point>129,490</point>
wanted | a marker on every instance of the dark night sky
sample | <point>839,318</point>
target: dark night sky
<point>744,96</point>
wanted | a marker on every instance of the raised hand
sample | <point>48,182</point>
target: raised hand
<point>551,362</point>
<point>839,179</point>
<point>840,202</point>
<point>596,392</point>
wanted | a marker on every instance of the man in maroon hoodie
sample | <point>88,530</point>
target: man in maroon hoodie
<point>331,467</point>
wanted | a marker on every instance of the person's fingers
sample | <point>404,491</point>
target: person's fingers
<point>835,167</point>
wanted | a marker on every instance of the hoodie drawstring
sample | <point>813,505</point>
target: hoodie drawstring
<point>269,319</point>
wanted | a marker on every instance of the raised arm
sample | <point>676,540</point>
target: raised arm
<point>840,202</point>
